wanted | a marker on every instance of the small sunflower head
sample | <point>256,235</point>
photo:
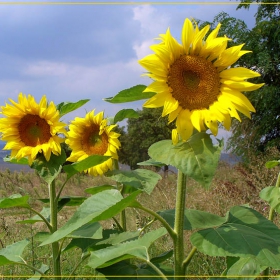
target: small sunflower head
<point>31,128</point>
<point>194,83</point>
<point>92,136</point>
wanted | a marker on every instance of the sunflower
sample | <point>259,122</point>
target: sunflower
<point>92,136</point>
<point>194,83</point>
<point>30,128</point>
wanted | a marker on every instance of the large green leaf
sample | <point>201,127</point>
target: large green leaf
<point>12,253</point>
<point>246,233</point>
<point>35,219</point>
<point>67,107</point>
<point>134,272</point>
<point>97,189</point>
<point>136,248</point>
<point>197,157</point>
<point>244,266</point>
<point>49,170</point>
<point>151,162</point>
<point>193,219</point>
<point>82,165</point>
<point>124,114</point>
<point>141,179</point>
<point>131,94</point>
<point>15,200</point>
<point>44,268</point>
<point>66,201</point>
<point>100,206</point>
<point>89,230</point>
<point>272,196</point>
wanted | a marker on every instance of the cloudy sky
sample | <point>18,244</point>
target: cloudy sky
<point>89,51</point>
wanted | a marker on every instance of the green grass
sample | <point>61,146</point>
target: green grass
<point>231,186</point>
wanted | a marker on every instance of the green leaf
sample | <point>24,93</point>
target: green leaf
<point>12,253</point>
<point>246,233</point>
<point>100,206</point>
<point>117,238</point>
<point>44,268</point>
<point>15,200</point>
<point>90,230</point>
<point>272,196</point>
<point>151,162</point>
<point>272,163</point>
<point>35,219</point>
<point>49,170</point>
<point>141,179</point>
<point>67,107</point>
<point>162,257</point>
<point>23,161</point>
<point>245,266</point>
<point>132,94</point>
<point>94,190</point>
<point>82,165</point>
<point>136,248</point>
<point>66,201</point>
<point>197,158</point>
<point>124,114</point>
<point>134,272</point>
<point>193,219</point>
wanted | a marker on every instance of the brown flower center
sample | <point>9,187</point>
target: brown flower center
<point>93,143</point>
<point>194,81</point>
<point>34,130</point>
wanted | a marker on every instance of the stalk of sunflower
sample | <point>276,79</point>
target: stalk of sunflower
<point>92,136</point>
<point>193,81</point>
<point>31,128</point>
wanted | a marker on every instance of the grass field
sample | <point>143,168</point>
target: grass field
<point>232,185</point>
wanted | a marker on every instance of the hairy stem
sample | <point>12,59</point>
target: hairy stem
<point>179,225</point>
<point>55,245</point>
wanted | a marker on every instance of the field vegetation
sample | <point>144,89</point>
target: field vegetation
<point>232,185</point>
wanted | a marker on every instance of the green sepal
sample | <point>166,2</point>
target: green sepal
<point>197,158</point>
<point>49,170</point>
<point>131,94</point>
<point>67,107</point>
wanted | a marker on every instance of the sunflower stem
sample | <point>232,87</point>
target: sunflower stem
<point>122,214</point>
<point>179,226</point>
<point>53,218</point>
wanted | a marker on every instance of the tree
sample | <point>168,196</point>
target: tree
<point>263,131</point>
<point>141,133</point>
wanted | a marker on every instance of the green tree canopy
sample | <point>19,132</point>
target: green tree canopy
<point>141,133</point>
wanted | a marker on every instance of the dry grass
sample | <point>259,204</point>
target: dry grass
<point>232,185</point>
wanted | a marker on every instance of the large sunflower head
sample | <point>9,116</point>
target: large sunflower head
<point>92,136</point>
<point>31,128</point>
<point>194,83</point>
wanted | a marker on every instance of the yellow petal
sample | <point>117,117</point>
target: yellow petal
<point>170,105</point>
<point>197,41</point>
<point>157,100</point>
<point>238,74</point>
<point>187,35</point>
<point>237,97</point>
<point>184,125</point>
<point>175,136</point>
<point>241,86</point>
